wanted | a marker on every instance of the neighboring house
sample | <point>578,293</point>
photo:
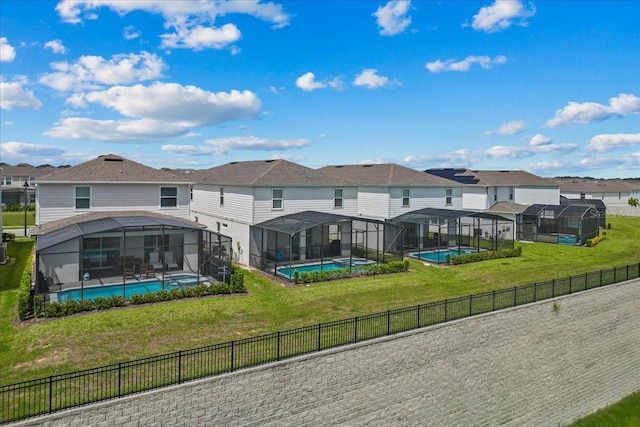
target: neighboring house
<point>112,219</point>
<point>386,191</point>
<point>233,197</point>
<point>13,179</point>
<point>484,188</point>
<point>613,192</point>
<point>110,183</point>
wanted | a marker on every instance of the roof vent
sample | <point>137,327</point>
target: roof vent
<point>269,161</point>
<point>233,163</point>
<point>366,166</point>
<point>339,166</point>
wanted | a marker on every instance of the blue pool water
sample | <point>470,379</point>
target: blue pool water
<point>567,239</point>
<point>336,264</point>
<point>440,256</point>
<point>93,292</point>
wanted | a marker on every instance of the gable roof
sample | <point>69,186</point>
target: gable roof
<point>266,173</point>
<point>493,177</point>
<point>388,174</point>
<point>111,168</point>
<point>507,207</point>
<point>23,169</point>
<point>582,185</point>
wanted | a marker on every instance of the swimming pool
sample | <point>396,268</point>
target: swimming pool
<point>334,264</point>
<point>116,289</point>
<point>567,239</point>
<point>440,256</point>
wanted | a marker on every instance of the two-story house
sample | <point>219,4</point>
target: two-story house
<point>17,182</point>
<point>110,216</point>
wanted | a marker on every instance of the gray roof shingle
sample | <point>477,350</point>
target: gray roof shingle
<point>111,168</point>
<point>387,174</point>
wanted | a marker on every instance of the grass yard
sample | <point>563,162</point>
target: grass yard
<point>625,413</point>
<point>16,220</point>
<point>43,348</point>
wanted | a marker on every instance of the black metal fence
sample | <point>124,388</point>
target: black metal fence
<point>58,392</point>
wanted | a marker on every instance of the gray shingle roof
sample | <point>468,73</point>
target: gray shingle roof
<point>579,185</point>
<point>112,168</point>
<point>497,177</point>
<point>386,175</point>
<point>266,173</point>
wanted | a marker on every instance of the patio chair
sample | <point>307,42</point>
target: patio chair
<point>129,273</point>
<point>154,261</point>
<point>146,271</point>
<point>170,261</point>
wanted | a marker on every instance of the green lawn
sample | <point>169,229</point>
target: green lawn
<point>54,346</point>
<point>625,413</point>
<point>16,219</point>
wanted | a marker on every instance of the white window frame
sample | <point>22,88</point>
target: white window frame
<point>7,180</point>
<point>76,197</point>
<point>406,197</point>
<point>165,198</point>
<point>512,191</point>
<point>221,196</point>
<point>277,199</point>
<point>448,196</point>
<point>338,198</point>
<point>495,194</point>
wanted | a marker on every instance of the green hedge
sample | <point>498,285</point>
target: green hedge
<point>486,255</point>
<point>344,273</point>
<point>595,240</point>
<point>25,296</point>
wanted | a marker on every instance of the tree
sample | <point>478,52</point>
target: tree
<point>633,201</point>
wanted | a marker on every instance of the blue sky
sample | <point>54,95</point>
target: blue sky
<point>551,87</point>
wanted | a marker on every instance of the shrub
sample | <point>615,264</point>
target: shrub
<point>137,299</point>
<point>53,309</point>
<point>70,307</point>
<point>102,303</point>
<point>117,301</point>
<point>163,295</point>
<point>87,305</point>
<point>595,240</point>
<point>25,297</point>
<point>8,237</point>
<point>37,306</point>
<point>237,281</point>
<point>486,255</point>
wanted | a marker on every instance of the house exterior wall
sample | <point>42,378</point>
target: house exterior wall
<point>57,201</point>
<point>373,202</point>
<point>422,197</point>
<point>543,195</point>
<point>610,199</point>
<point>299,199</point>
<point>474,198</point>
<point>238,204</point>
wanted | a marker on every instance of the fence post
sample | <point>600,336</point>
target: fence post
<point>319,331</point>
<point>179,366</point>
<point>515,296</point>
<point>418,315</point>
<point>232,353</point>
<point>535,292</point>
<point>615,278</point>
<point>600,278</point>
<point>627,272</point>
<point>119,379</point>
<point>388,322</point>
<point>355,329</point>
<point>493,304</point>
<point>50,393</point>
<point>470,305</point>
<point>553,287</point>
<point>446,309</point>
<point>278,355</point>
<point>586,281</point>
<point>569,285</point>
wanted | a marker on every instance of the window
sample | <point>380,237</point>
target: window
<point>495,194</point>
<point>168,197</point>
<point>406,197</point>
<point>337,197</point>
<point>276,198</point>
<point>32,179</point>
<point>582,196</point>
<point>448,196</point>
<point>83,197</point>
<point>221,196</point>
<point>7,180</point>
<point>511,189</point>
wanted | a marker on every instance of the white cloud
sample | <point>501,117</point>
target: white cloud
<point>192,22</point>
<point>159,111</point>
<point>485,62</point>
<point>501,15</point>
<point>606,142</point>
<point>539,140</point>
<point>14,95</point>
<point>392,17</point>
<point>56,46</point>
<point>370,78</point>
<point>93,72</point>
<point>308,83</point>
<point>452,158</point>
<point>130,32</point>
<point>25,149</point>
<point>510,128</point>
<point>587,112</point>
<point>226,145</point>
<point>198,37</point>
<point>7,52</point>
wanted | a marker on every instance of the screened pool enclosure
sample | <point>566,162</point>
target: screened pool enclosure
<point>435,235</point>
<point>569,224</point>
<point>316,241</point>
<point>102,254</point>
